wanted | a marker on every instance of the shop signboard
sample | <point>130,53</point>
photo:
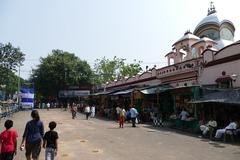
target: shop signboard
<point>73,93</point>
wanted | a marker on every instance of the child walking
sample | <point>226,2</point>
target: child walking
<point>8,141</point>
<point>50,142</point>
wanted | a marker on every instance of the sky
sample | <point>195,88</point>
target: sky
<point>133,29</point>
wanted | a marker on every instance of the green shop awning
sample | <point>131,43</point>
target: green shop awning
<point>155,90</point>
<point>208,101</point>
<point>100,93</point>
<point>149,91</point>
<point>123,92</point>
<point>227,96</point>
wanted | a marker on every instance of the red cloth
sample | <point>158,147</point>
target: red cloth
<point>8,138</point>
<point>121,120</point>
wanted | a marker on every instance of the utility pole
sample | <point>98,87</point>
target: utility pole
<point>18,91</point>
<point>8,69</point>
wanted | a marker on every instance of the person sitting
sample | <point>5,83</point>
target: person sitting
<point>232,125</point>
<point>210,126</point>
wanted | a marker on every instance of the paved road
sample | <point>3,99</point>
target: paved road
<point>97,139</point>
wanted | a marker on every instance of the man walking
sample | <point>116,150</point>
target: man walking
<point>133,114</point>
<point>74,110</point>
<point>93,111</point>
<point>87,111</point>
<point>48,106</point>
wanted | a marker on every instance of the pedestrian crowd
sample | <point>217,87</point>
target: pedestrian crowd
<point>121,114</point>
<point>88,110</point>
<point>33,140</point>
<point>130,115</point>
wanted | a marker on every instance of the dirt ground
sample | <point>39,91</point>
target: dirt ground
<point>97,139</point>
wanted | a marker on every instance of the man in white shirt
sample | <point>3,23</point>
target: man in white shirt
<point>48,106</point>
<point>87,111</point>
<point>133,113</point>
<point>220,132</point>
<point>183,115</point>
<point>93,111</point>
<point>210,125</point>
<point>118,110</point>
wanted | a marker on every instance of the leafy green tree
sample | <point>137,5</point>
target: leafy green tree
<point>59,70</point>
<point>10,58</point>
<point>128,70</point>
<point>10,82</point>
<point>108,70</point>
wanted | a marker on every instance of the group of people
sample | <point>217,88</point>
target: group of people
<point>89,111</point>
<point>47,105</point>
<point>32,141</point>
<point>122,116</point>
<point>212,125</point>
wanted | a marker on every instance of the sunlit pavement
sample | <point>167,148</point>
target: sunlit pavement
<point>97,139</point>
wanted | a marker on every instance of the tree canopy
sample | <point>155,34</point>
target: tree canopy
<point>59,70</point>
<point>108,70</point>
<point>10,58</point>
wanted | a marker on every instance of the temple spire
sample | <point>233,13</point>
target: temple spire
<point>211,9</point>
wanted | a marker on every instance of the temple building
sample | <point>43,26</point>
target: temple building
<point>200,62</point>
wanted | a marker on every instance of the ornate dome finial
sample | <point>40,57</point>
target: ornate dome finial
<point>188,32</point>
<point>211,9</point>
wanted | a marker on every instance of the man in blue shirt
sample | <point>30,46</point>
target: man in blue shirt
<point>133,113</point>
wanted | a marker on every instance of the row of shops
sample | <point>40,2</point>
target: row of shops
<point>202,76</point>
<point>201,104</point>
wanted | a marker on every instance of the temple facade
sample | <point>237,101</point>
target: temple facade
<point>187,59</point>
<point>203,68</point>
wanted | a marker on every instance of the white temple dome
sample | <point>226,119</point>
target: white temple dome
<point>187,36</point>
<point>214,28</point>
<point>210,19</point>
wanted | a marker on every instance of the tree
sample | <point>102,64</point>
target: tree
<point>59,70</point>
<point>10,58</point>
<point>132,69</point>
<point>108,70</point>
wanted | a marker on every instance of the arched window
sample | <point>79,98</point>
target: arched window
<point>184,54</point>
<point>194,53</point>
<point>171,61</point>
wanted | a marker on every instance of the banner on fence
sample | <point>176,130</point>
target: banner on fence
<point>27,98</point>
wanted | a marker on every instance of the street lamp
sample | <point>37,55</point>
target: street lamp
<point>18,90</point>
<point>234,77</point>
